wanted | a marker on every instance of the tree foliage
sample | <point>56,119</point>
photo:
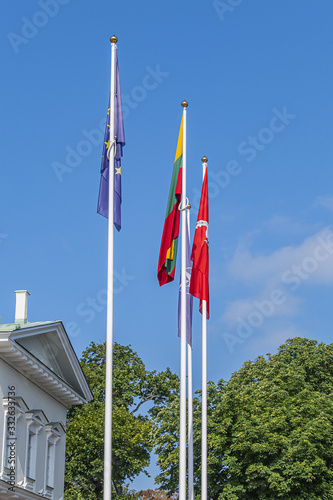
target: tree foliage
<point>275,424</point>
<point>269,429</point>
<point>155,494</point>
<point>132,431</point>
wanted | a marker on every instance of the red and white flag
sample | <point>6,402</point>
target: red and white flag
<point>199,285</point>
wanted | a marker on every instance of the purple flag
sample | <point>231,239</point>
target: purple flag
<point>189,298</point>
<point>103,198</point>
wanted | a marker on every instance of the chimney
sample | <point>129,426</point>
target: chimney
<point>21,308</point>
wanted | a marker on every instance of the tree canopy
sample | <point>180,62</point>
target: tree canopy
<point>132,431</point>
<point>269,429</point>
<point>275,425</point>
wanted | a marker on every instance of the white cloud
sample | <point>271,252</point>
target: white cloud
<point>275,280</point>
<point>312,256</point>
<point>264,303</point>
<point>325,201</point>
<point>286,225</point>
<point>237,309</point>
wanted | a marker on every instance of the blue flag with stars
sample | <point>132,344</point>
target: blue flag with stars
<point>103,198</point>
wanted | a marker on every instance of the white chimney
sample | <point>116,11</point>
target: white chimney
<point>21,308</point>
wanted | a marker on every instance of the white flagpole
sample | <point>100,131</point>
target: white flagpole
<point>204,386</point>
<point>190,425</point>
<point>190,405</point>
<point>109,318</point>
<point>182,423</point>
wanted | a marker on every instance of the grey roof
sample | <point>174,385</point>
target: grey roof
<point>10,327</point>
<point>45,344</point>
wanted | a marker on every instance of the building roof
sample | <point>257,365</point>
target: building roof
<point>42,352</point>
<point>16,326</point>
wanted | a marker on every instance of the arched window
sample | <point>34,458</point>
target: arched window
<point>36,419</point>
<point>54,432</point>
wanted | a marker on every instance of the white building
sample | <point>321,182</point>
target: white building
<point>40,378</point>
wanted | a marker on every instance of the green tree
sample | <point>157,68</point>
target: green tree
<point>274,424</point>
<point>132,432</point>
<point>269,428</point>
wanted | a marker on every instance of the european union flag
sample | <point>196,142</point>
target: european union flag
<point>103,198</point>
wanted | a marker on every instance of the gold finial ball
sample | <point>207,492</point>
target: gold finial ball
<point>204,159</point>
<point>114,39</point>
<point>184,104</point>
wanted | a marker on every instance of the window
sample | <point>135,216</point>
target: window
<point>50,464</point>
<point>14,408</point>
<point>54,432</point>
<point>31,452</point>
<point>35,421</point>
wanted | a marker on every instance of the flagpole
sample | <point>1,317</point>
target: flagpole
<point>190,424</point>
<point>204,385</point>
<point>190,405</point>
<point>182,423</point>
<point>109,318</point>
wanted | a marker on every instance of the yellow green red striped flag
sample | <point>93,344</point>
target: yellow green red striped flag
<point>169,243</point>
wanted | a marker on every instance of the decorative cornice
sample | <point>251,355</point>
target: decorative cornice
<point>19,403</point>
<point>30,367</point>
<point>55,428</point>
<point>34,369</point>
<point>17,494</point>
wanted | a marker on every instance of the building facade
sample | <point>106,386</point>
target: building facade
<point>40,379</point>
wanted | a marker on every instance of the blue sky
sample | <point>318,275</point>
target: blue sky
<point>258,79</point>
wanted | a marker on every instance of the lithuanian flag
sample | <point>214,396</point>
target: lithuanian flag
<point>169,243</point>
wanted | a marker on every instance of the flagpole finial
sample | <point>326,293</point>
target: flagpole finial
<point>184,104</point>
<point>114,39</point>
<point>204,159</point>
